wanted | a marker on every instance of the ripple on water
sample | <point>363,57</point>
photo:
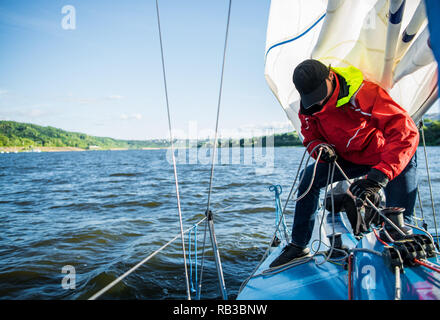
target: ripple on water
<point>125,174</point>
<point>125,204</point>
<point>119,208</point>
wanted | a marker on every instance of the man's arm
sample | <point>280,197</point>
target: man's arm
<point>400,133</point>
<point>311,135</point>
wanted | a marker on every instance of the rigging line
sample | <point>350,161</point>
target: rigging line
<point>429,181</point>
<point>293,186</point>
<point>208,213</point>
<point>214,151</point>
<point>172,152</point>
<point>199,290</point>
<point>302,177</point>
<point>332,169</point>
<point>114,282</point>
<point>421,208</point>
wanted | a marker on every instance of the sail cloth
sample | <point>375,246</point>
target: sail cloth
<point>388,40</point>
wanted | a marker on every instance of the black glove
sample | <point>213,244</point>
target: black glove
<point>367,188</point>
<point>328,154</point>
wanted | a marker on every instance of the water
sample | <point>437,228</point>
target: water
<point>102,212</point>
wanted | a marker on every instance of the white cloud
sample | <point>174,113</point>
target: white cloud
<point>3,92</point>
<point>133,116</point>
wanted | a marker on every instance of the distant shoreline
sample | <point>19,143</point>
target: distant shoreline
<point>64,149</point>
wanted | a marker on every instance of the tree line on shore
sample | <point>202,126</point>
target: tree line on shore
<point>25,135</point>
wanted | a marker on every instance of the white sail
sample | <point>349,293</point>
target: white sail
<point>369,34</point>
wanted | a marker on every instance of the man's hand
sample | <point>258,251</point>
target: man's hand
<point>368,187</point>
<point>364,188</point>
<point>328,154</point>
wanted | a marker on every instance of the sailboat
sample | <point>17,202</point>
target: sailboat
<point>388,40</point>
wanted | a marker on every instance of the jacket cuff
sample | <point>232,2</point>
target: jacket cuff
<point>312,144</point>
<point>378,176</point>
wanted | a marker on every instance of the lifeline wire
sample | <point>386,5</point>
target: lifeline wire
<point>113,283</point>
<point>172,152</point>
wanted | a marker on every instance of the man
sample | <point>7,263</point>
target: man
<point>356,123</point>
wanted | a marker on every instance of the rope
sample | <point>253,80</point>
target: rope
<point>305,259</point>
<point>379,238</point>
<point>214,147</point>
<point>425,232</point>
<point>373,206</point>
<point>302,177</point>
<point>203,262</point>
<point>426,265</point>
<point>425,225</point>
<point>329,181</point>
<point>429,182</point>
<point>278,191</point>
<point>214,153</point>
<point>293,186</point>
<point>113,283</point>
<point>172,151</point>
<point>193,230</point>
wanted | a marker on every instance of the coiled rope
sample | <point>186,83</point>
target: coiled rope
<point>328,255</point>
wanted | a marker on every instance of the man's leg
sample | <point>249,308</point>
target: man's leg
<point>305,209</point>
<point>402,190</point>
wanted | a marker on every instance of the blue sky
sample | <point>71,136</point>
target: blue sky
<point>104,77</point>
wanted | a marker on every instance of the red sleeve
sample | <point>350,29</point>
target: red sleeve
<point>399,131</point>
<point>311,135</point>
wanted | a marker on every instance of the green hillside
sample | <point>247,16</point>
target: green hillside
<point>432,132</point>
<point>25,135</point>
<point>15,134</point>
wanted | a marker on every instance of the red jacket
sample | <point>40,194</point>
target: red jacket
<point>370,129</point>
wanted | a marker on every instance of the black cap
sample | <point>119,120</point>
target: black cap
<point>309,79</point>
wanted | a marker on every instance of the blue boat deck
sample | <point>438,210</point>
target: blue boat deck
<point>371,278</point>
<point>307,281</point>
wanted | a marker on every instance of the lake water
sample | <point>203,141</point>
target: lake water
<point>102,212</point>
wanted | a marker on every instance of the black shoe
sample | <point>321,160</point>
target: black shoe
<point>289,253</point>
